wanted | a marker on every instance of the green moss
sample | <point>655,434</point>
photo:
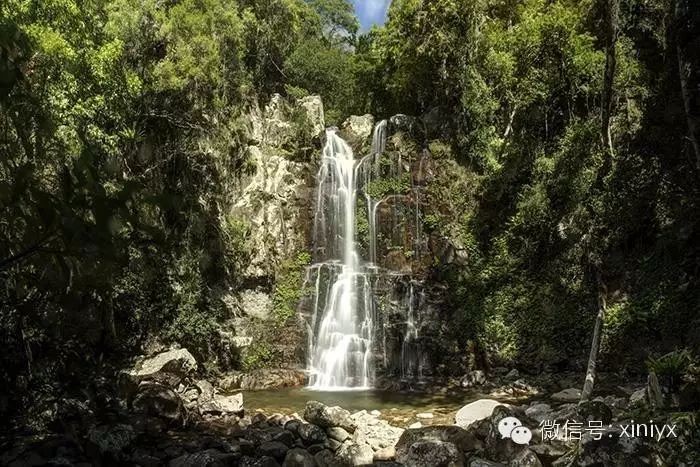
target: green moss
<point>382,187</point>
<point>288,287</point>
<point>260,354</point>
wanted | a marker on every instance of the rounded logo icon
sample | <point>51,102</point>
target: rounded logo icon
<point>505,426</point>
<point>521,435</point>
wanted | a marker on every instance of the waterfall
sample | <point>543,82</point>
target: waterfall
<point>343,322</point>
<point>341,343</point>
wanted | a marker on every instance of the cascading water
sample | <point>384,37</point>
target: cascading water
<point>343,322</point>
<point>341,344</point>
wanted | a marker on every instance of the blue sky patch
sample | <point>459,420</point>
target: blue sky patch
<point>371,12</point>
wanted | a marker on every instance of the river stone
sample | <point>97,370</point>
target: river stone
<point>327,417</point>
<point>355,454</point>
<point>274,449</point>
<point>208,458</point>
<point>431,453</point>
<point>525,458</point>
<point>211,403</point>
<point>111,438</point>
<point>311,434</point>
<point>338,433</point>
<point>299,458</point>
<point>160,401</point>
<point>499,448</point>
<point>610,449</point>
<point>265,461</point>
<point>168,368</point>
<point>293,426</point>
<point>460,438</point>
<point>332,444</point>
<point>567,395</point>
<point>540,411</point>
<point>477,410</point>
<point>325,458</point>
<point>385,454</point>
<point>549,450</point>
<point>594,411</point>
<point>638,398</point>
<point>374,432</point>
<point>473,378</point>
<point>479,462</point>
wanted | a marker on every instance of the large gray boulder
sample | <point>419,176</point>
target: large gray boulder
<point>160,401</point>
<point>475,411</point>
<point>299,458</point>
<point>376,433</point>
<point>222,405</point>
<point>168,368</point>
<point>431,453</point>
<point>311,434</point>
<point>504,449</point>
<point>275,449</point>
<point>461,439</point>
<point>357,129</point>
<point>539,411</point>
<point>355,455</point>
<point>324,416</point>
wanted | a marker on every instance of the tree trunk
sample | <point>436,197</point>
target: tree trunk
<point>612,8</point>
<point>595,341</point>
<point>688,74</point>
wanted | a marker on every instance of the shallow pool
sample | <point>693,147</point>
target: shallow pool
<point>400,408</point>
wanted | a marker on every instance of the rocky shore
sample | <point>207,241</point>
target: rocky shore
<point>162,414</point>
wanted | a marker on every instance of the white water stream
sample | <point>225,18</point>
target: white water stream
<point>341,330</point>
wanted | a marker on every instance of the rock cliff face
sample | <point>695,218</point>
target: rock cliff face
<point>274,202</point>
<point>275,199</point>
<point>410,192</point>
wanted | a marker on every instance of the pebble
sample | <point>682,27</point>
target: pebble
<point>425,415</point>
<point>415,425</point>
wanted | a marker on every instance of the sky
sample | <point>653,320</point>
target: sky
<point>371,12</point>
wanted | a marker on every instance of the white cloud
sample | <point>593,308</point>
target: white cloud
<point>371,11</point>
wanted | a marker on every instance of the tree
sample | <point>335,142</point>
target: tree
<point>338,18</point>
<point>686,21</point>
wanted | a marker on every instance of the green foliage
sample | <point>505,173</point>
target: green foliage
<point>385,186</point>
<point>124,137</point>
<point>682,449</point>
<point>673,364</point>
<point>288,288</point>
<point>259,354</point>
